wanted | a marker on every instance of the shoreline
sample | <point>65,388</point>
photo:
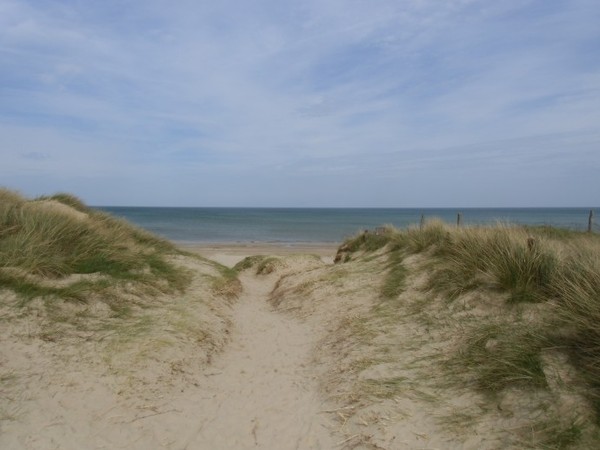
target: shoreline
<point>230,253</point>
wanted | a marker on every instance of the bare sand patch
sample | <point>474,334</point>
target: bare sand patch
<point>230,254</point>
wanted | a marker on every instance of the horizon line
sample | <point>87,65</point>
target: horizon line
<point>350,207</point>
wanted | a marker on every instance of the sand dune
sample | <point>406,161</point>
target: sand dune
<point>308,356</point>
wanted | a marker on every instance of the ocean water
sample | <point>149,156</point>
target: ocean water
<point>321,225</point>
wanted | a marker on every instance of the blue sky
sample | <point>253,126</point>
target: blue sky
<point>398,103</point>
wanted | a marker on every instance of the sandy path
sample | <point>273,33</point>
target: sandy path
<point>262,392</point>
<point>259,393</point>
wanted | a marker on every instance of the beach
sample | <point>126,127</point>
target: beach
<point>229,254</point>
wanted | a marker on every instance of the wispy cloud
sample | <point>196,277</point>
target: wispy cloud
<point>301,103</point>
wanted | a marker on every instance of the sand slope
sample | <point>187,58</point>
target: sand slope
<point>245,382</point>
<point>261,393</point>
<point>310,356</point>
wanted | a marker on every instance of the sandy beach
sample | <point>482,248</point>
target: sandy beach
<point>231,253</point>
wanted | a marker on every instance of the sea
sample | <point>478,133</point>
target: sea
<point>291,226</point>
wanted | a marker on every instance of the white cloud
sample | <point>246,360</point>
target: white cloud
<point>311,89</point>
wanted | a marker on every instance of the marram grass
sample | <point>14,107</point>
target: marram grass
<point>578,288</point>
<point>55,237</point>
<point>546,283</point>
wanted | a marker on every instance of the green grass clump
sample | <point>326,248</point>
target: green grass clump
<point>394,281</point>
<point>579,312</point>
<point>552,434</point>
<point>28,290</point>
<point>551,232</point>
<point>248,262</point>
<point>54,237</point>
<point>264,264</point>
<point>227,284</point>
<point>503,355</point>
<point>434,234</point>
<point>268,265</point>
<point>506,258</point>
<point>368,242</point>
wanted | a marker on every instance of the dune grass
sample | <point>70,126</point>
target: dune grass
<point>227,283</point>
<point>578,287</point>
<point>546,283</point>
<point>69,274</point>
<point>395,278</point>
<point>83,270</point>
<point>264,264</point>
<point>55,237</point>
<point>504,355</point>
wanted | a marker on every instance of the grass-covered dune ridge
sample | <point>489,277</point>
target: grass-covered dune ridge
<point>545,283</point>
<point>447,337</point>
<point>101,295</point>
<point>56,248</point>
<point>59,236</point>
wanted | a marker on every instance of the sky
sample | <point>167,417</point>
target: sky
<point>311,103</point>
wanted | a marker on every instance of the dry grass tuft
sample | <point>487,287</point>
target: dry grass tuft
<point>264,265</point>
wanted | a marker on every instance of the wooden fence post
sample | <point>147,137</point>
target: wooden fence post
<point>459,219</point>
<point>422,223</point>
<point>590,221</point>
